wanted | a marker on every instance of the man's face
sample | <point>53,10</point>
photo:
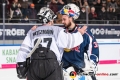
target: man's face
<point>66,20</point>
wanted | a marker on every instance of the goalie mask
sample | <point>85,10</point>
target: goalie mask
<point>71,10</point>
<point>46,15</point>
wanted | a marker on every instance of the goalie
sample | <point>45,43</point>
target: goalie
<point>75,56</point>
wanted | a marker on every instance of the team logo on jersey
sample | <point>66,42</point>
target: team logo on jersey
<point>73,49</point>
<point>76,48</point>
<point>73,74</point>
<point>67,50</point>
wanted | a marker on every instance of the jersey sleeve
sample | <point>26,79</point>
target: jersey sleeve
<point>25,48</point>
<point>93,46</point>
<point>69,40</point>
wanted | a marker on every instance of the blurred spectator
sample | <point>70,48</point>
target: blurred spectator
<point>15,12</point>
<point>82,17</point>
<point>53,6</point>
<point>77,2</point>
<point>40,3</point>
<point>82,1</point>
<point>29,1</point>
<point>104,1</point>
<point>104,5</point>
<point>1,13</point>
<point>91,2</point>
<point>24,7</point>
<point>10,3</point>
<point>85,4</point>
<point>118,2</point>
<point>32,14</point>
<point>113,4</point>
<point>98,6</point>
<point>57,5</point>
<point>6,9</point>
<point>111,15</point>
<point>61,3</point>
<point>102,15</point>
<point>20,9</point>
<point>66,1</point>
<point>93,16</point>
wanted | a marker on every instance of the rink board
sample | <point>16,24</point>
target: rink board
<point>109,61</point>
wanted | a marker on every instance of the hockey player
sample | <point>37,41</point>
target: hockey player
<point>44,63</point>
<point>75,56</point>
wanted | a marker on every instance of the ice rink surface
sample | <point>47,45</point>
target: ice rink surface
<point>10,74</point>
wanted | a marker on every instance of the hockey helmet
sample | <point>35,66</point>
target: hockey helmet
<point>46,15</point>
<point>71,10</point>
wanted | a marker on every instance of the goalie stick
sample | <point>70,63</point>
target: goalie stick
<point>34,48</point>
<point>29,55</point>
<point>22,67</point>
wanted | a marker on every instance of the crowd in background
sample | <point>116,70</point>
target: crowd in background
<point>25,11</point>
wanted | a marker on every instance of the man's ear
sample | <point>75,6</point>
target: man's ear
<point>71,19</point>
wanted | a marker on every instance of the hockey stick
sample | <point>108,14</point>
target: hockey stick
<point>34,48</point>
<point>29,55</point>
<point>22,70</point>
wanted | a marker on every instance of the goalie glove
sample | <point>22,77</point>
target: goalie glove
<point>22,68</point>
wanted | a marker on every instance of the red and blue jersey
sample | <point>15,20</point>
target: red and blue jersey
<point>75,57</point>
